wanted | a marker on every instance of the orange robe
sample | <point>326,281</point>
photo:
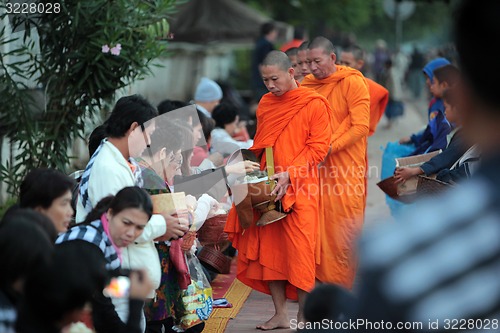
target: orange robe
<point>379,97</point>
<point>342,176</point>
<point>297,126</point>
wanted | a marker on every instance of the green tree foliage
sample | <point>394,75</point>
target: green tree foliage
<point>365,18</point>
<point>318,15</point>
<point>87,50</point>
<point>431,19</point>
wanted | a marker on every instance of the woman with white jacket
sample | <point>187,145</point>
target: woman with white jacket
<point>111,168</point>
<point>160,163</point>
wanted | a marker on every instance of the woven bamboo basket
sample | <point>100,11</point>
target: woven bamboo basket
<point>212,231</point>
<point>214,259</point>
<point>430,186</point>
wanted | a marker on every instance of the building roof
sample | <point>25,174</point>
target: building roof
<point>204,21</point>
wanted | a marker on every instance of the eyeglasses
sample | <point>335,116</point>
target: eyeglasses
<point>175,160</point>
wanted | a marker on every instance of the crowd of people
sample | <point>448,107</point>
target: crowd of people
<point>139,152</point>
<point>67,238</point>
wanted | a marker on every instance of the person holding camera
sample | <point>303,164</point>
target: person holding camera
<point>113,224</point>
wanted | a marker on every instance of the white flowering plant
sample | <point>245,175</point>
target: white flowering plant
<point>53,81</point>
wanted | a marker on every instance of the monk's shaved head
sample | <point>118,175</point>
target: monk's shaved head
<point>277,73</point>
<point>357,52</point>
<point>322,43</point>
<point>321,58</point>
<point>277,58</point>
<point>292,52</point>
<point>304,46</point>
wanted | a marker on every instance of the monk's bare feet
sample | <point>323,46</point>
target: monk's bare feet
<point>277,321</point>
<point>301,321</point>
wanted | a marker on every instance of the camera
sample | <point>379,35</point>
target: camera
<point>119,284</point>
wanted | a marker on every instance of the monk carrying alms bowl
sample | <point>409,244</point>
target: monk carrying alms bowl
<point>256,194</point>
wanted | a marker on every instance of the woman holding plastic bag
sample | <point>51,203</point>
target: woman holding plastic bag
<point>197,298</point>
<point>160,164</point>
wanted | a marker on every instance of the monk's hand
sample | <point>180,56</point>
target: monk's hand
<point>283,181</point>
<point>327,154</point>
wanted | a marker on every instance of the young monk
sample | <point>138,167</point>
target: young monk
<point>354,57</point>
<point>292,55</point>
<point>302,65</point>
<point>278,258</point>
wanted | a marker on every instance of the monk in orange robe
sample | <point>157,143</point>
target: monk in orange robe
<point>279,258</point>
<point>354,56</point>
<point>379,97</point>
<point>342,176</point>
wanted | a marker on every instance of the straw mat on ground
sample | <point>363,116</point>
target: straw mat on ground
<point>236,294</point>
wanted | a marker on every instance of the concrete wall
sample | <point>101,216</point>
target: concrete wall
<point>182,69</point>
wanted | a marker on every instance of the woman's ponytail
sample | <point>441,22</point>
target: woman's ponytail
<point>101,207</point>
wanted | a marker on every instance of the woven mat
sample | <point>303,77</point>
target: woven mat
<point>237,294</point>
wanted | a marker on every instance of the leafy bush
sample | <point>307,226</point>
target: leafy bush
<point>84,53</point>
<point>8,203</point>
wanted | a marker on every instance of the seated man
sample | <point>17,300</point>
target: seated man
<point>455,149</point>
<point>226,123</point>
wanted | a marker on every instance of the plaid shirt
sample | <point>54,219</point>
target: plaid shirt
<point>93,233</point>
<point>440,263</point>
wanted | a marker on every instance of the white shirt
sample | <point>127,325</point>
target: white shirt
<point>204,111</point>
<point>109,174</point>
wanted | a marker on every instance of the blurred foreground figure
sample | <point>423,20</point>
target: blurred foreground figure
<point>440,267</point>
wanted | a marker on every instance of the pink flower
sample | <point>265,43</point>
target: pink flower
<point>105,48</point>
<point>116,50</point>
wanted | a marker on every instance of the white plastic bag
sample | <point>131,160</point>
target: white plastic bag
<point>197,297</point>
